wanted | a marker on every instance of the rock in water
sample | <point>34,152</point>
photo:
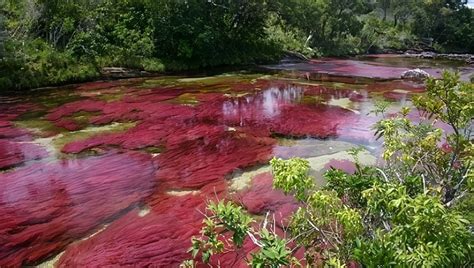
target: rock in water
<point>415,74</point>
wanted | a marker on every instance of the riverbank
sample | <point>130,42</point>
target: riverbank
<point>316,68</point>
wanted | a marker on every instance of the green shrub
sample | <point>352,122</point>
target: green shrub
<point>35,63</point>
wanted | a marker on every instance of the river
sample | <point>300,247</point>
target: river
<point>117,173</point>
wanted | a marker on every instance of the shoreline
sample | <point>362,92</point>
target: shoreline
<point>113,73</point>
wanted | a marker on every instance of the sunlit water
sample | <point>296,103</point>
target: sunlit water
<point>115,173</point>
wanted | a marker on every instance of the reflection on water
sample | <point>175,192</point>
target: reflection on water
<point>266,103</point>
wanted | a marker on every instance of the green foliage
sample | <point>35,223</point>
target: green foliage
<point>332,27</point>
<point>449,100</point>
<point>449,23</point>
<point>417,231</point>
<point>326,227</point>
<point>224,217</point>
<point>288,38</point>
<point>273,252</point>
<point>210,33</point>
<point>291,177</point>
<point>377,35</point>
<point>36,63</point>
<point>411,149</point>
<point>121,35</point>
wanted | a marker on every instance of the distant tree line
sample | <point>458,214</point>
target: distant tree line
<point>44,42</point>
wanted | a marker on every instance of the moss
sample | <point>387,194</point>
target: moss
<point>111,97</point>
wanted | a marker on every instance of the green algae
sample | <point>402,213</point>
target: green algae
<point>206,83</point>
<point>154,149</point>
<point>64,138</point>
<point>185,99</point>
<point>309,99</point>
<point>163,81</point>
<point>56,98</point>
<point>37,125</point>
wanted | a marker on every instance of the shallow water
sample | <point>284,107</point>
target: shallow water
<point>115,173</point>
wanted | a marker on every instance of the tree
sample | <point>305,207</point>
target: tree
<point>448,22</point>
<point>207,33</point>
<point>330,25</point>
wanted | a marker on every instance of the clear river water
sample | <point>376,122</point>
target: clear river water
<point>117,173</point>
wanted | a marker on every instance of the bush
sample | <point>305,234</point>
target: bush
<point>378,35</point>
<point>35,63</point>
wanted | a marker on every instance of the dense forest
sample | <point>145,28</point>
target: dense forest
<point>47,42</point>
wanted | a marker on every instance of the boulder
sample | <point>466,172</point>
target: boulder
<point>415,74</point>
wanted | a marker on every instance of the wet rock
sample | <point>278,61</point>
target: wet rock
<point>293,57</point>
<point>395,96</point>
<point>120,72</point>
<point>344,164</point>
<point>415,74</point>
<point>428,55</point>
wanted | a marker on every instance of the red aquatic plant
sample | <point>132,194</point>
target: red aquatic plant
<point>44,207</point>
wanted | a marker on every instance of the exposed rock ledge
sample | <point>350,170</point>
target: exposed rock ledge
<point>120,72</point>
<point>468,58</point>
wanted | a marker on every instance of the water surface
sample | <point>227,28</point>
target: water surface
<point>115,172</point>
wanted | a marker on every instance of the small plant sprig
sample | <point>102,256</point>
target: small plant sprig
<point>225,228</point>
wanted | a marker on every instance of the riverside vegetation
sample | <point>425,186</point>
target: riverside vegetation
<point>50,42</point>
<point>415,210</point>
